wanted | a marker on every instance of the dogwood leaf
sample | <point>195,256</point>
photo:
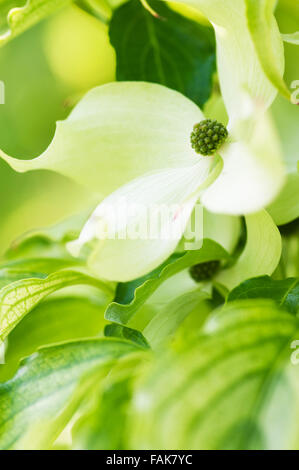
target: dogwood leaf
<point>101,427</point>
<point>131,296</point>
<point>19,298</point>
<point>286,207</point>
<point>48,242</point>
<point>261,254</point>
<point>239,368</point>
<point>285,292</point>
<point>52,321</point>
<point>23,17</point>
<point>120,331</point>
<point>45,383</point>
<point>31,267</point>
<point>164,324</point>
<point>169,49</point>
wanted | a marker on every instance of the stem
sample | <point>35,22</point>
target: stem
<point>149,9</point>
<point>99,9</point>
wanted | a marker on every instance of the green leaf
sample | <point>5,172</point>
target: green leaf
<point>131,296</point>
<point>166,322</point>
<point>286,207</point>
<point>119,331</point>
<point>261,254</point>
<point>48,241</point>
<point>233,388</point>
<point>24,17</point>
<point>168,49</point>
<point>223,229</point>
<point>287,15</point>
<point>36,246</point>
<point>263,29</point>
<point>45,383</point>
<point>285,292</point>
<point>52,321</point>
<point>32,267</point>
<point>5,7</point>
<point>169,306</point>
<point>18,298</point>
<point>102,427</point>
<point>286,117</point>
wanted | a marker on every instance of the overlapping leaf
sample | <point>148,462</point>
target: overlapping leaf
<point>285,292</point>
<point>131,296</point>
<point>21,15</point>
<point>168,49</point>
<point>234,388</point>
<point>19,298</point>
<point>45,384</point>
<point>53,321</point>
<point>102,426</point>
<point>261,254</point>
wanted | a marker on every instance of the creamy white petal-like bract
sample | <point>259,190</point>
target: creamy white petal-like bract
<point>140,225</point>
<point>239,67</point>
<point>253,172</point>
<point>118,132</point>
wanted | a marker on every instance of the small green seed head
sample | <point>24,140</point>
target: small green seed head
<point>204,271</point>
<point>207,136</point>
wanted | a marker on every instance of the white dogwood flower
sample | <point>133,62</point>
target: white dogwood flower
<point>130,141</point>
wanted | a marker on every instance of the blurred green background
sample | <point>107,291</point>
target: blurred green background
<point>45,71</point>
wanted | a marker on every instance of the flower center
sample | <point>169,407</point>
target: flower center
<point>204,271</point>
<point>207,136</point>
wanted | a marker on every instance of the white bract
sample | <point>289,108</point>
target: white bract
<point>130,141</point>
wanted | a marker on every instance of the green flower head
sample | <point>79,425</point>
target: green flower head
<point>208,136</point>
